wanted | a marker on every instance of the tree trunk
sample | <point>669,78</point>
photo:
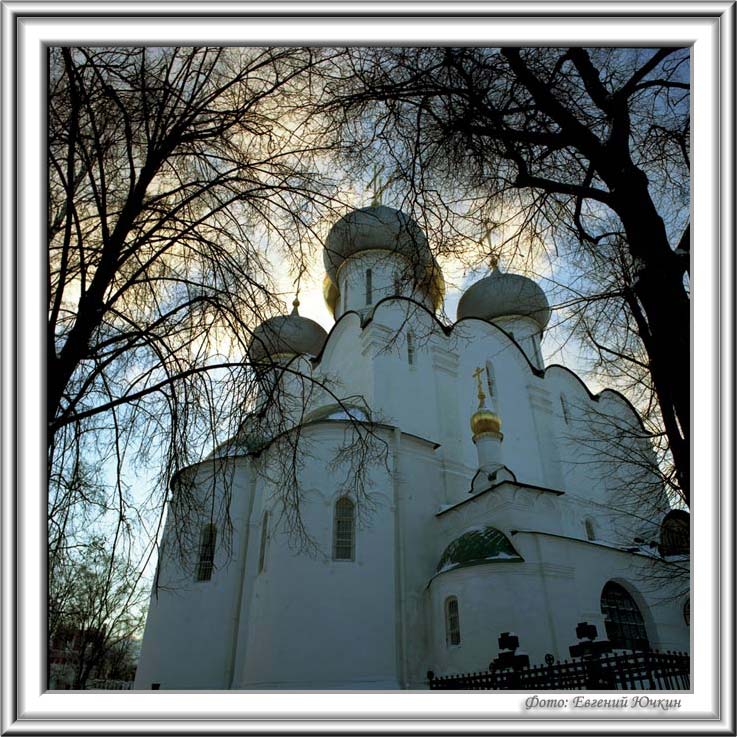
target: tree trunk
<point>660,290</point>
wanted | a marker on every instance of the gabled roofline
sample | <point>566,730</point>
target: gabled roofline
<point>516,484</point>
<point>595,543</point>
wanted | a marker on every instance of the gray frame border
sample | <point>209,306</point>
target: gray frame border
<point>14,12</point>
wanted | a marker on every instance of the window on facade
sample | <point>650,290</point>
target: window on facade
<point>410,349</point>
<point>344,530</point>
<point>564,408</point>
<point>625,627</point>
<point>590,530</point>
<point>264,539</point>
<point>207,553</point>
<point>490,383</point>
<point>369,287</point>
<point>452,622</point>
<point>675,533</point>
<point>535,349</point>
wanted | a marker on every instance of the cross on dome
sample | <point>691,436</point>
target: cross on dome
<point>378,186</point>
<point>485,241</point>
<point>482,397</point>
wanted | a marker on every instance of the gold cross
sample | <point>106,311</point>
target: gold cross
<point>477,373</point>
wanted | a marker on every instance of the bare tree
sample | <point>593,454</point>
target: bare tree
<point>617,454</point>
<point>619,358</point>
<point>178,178</point>
<point>580,151</point>
<point>96,611</point>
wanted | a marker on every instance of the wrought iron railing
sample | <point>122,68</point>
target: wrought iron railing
<point>649,670</point>
<point>594,667</point>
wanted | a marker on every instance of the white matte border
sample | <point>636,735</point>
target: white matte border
<point>27,27</point>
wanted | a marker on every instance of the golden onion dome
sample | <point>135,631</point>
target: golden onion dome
<point>484,420</point>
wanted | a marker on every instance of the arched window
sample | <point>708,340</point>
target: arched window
<point>264,540</point>
<point>675,533</point>
<point>590,529</point>
<point>410,349</point>
<point>687,612</point>
<point>344,530</point>
<point>535,348</point>
<point>452,622</point>
<point>207,553</point>
<point>625,627</point>
<point>564,408</point>
<point>490,382</point>
<point>369,286</point>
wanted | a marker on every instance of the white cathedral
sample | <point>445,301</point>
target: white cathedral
<point>503,500</point>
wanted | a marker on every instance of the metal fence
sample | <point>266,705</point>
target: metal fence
<point>634,670</point>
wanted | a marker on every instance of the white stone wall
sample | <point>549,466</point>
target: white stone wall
<point>391,275</point>
<point>307,621</point>
<point>191,624</point>
<point>315,622</point>
<point>542,600</point>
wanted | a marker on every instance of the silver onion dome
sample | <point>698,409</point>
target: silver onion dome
<point>380,228</point>
<point>374,228</point>
<point>503,294</point>
<point>289,335</point>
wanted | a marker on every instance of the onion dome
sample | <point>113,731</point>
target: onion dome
<point>475,547</point>
<point>375,228</point>
<point>286,335</point>
<point>380,228</point>
<point>330,293</point>
<point>503,294</point>
<point>484,420</point>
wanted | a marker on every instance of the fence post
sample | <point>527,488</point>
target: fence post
<point>590,651</point>
<point>509,658</point>
<point>650,674</point>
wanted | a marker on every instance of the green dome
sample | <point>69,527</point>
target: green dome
<point>481,545</point>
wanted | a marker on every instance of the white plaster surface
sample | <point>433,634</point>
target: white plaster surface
<point>377,622</point>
